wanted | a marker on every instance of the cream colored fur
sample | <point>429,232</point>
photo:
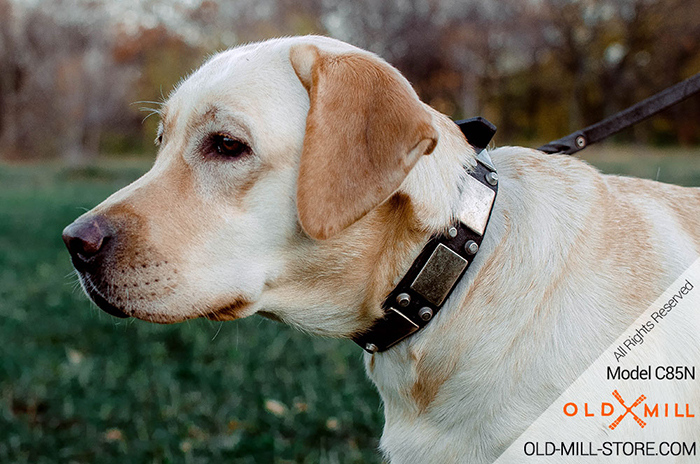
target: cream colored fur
<point>570,257</point>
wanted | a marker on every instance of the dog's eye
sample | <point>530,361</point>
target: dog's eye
<point>229,147</point>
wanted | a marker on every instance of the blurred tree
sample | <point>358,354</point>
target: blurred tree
<point>11,74</point>
<point>537,68</point>
<point>162,60</point>
<point>56,92</point>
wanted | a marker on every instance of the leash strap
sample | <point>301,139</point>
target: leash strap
<point>581,139</point>
<point>425,287</point>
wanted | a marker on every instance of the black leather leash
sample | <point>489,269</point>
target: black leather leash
<point>444,259</point>
<point>581,139</point>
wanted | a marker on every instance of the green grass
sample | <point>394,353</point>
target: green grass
<point>77,385</point>
<point>671,165</point>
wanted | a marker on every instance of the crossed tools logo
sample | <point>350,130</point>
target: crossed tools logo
<point>628,410</point>
<point>637,410</point>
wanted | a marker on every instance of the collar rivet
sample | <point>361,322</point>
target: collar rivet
<point>492,178</point>
<point>452,232</point>
<point>425,313</point>
<point>403,299</point>
<point>471,247</point>
<point>371,347</point>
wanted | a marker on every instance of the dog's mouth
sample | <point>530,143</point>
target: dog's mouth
<point>229,312</point>
<point>100,300</point>
<point>114,298</point>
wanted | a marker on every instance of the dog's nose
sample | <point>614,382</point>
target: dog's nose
<point>85,238</point>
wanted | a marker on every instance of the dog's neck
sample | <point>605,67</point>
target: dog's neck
<point>434,186</point>
<point>434,190</point>
<point>409,375</point>
<point>412,303</point>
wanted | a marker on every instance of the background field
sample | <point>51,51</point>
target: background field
<point>77,385</point>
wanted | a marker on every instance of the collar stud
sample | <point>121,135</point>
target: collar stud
<point>425,313</point>
<point>492,178</point>
<point>403,299</point>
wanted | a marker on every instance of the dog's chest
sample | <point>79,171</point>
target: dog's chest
<point>446,419</point>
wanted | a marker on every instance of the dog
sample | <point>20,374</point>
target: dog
<point>299,178</point>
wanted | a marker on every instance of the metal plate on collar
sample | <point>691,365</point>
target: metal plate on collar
<point>476,205</point>
<point>485,159</point>
<point>401,323</point>
<point>439,274</point>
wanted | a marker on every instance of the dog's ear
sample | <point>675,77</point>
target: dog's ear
<point>365,130</point>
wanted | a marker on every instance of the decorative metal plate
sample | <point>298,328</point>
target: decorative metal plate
<point>477,200</point>
<point>439,274</point>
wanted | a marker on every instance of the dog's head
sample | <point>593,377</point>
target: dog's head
<point>280,187</point>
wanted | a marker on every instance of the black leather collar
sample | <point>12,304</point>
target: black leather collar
<point>423,290</point>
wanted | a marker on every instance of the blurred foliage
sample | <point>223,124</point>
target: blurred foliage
<point>81,70</point>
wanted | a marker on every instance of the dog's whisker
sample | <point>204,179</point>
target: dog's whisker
<point>127,300</point>
<point>150,110</point>
<point>149,115</point>
<point>72,280</point>
<point>160,301</point>
<point>221,324</point>
<point>151,102</point>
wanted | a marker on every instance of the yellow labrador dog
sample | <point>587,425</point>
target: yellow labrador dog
<point>299,178</point>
